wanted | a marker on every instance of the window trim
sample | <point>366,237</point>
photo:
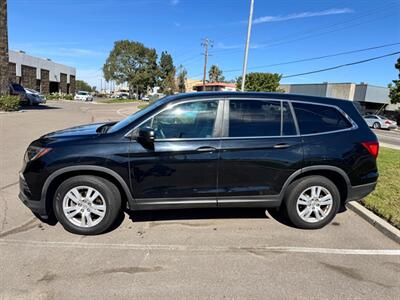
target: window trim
<point>216,130</point>
<point>226,119</point>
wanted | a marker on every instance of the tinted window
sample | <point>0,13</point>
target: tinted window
<point>18,88</point>
<point>314,118</point>
<point>249,118</point>
<point>186,120</point>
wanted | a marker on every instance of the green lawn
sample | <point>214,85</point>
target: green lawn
<point>385,200</point>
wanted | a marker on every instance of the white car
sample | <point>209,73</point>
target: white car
<point>380,122</point>
<point>83,96</point>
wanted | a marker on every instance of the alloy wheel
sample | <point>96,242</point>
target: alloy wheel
<point>84,206</point>
<point>314,204</point>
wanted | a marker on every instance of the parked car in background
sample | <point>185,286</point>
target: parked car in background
<point>17,90</point>
<point>123,96</point>
<point>307,155</point>
<point>380,122</point>
<point>27,96</point>
<point>83,96</point>
<point>33,97</point>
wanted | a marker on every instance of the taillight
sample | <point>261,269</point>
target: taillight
<point>372,147</point>
<point>388,122</point>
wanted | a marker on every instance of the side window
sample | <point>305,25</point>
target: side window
<point>314,118</point>
<point>186,120</point>
<point>249,118</point>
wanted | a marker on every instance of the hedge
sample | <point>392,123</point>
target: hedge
<point>9,103</point>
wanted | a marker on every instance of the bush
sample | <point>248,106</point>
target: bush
<point>59,96</point>
<point>9,103</point>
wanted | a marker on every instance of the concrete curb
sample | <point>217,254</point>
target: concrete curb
<point>380,224</point>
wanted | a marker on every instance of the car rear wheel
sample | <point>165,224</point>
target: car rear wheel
<point>312,202</point>
<point>376,125</point>
<point>87,205</point>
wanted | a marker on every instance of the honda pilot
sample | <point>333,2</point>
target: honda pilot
<point>306,155</point>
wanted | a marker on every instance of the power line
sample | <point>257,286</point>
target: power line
<point>341,66</point>
<point>316,58</point>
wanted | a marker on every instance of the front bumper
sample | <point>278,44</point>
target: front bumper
<point>360,191</point>
<point>37,207</point>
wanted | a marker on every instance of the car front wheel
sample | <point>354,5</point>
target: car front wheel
<point>312,202</point>
<point>87,205</point>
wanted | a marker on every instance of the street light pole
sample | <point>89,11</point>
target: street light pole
<point>246,52</point>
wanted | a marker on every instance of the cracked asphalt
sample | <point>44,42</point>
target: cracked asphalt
<point>180,254</point>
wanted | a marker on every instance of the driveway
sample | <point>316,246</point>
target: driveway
<point>205,253</point>
<point>388,138</point>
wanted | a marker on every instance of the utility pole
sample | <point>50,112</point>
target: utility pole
<point>246,52</point>
<point>206,44</point>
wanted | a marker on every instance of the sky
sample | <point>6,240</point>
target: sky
<point>81,33</point>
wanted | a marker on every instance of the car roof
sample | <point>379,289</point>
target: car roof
<point>261,95</point>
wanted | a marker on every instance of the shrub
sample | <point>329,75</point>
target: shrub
<point>9,103</point>
<point>59,96</point>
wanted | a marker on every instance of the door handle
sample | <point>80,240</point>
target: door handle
<point>206,149</point>
<point>281,146</point>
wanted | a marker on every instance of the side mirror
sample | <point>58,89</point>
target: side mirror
<point>146,137</point>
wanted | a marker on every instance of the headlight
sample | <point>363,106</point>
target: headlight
<point>34,152</point>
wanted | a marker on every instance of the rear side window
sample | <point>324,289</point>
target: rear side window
<point>313,118</point>
<point>252,118</point>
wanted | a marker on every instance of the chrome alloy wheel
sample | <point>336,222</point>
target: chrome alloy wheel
<point>314,204</point>
<point>84,206</point>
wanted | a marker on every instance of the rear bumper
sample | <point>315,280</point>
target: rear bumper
<point>37,207</point>
<point>360,191</point>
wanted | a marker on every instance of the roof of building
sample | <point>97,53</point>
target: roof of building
<point>219,84</point>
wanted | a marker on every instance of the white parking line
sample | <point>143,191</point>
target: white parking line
<point>183,248</point>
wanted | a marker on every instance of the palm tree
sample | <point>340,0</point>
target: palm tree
<point>4,60</point>
<point>215,74</point>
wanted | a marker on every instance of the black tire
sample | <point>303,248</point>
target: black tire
<point>293,193</point>
<point>376,125</point>
<point>108,190</point>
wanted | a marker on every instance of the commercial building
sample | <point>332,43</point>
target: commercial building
<point>41,74</point>
<point>370,97</point>
<point>215,87</point>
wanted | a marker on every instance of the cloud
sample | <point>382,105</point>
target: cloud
<point>60,51</point>
<point>174,2</point>
<point>177,24</point>
<point>302,15</point>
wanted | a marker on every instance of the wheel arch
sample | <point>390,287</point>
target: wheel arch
<point>335,174</point>
<point>54,180</point>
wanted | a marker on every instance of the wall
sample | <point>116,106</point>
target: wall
<point>28,77</point>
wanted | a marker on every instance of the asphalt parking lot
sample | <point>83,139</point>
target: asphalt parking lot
<point>207,253</point>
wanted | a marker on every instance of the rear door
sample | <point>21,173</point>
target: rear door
<point>260,149</point>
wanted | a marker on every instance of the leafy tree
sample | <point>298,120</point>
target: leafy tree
<point>4,60</point>
<point>260,82</point>
<point>215,74</point>
<point>83,86</point>
<point>182,77</point>
<point>167,74</point>
<point>394,93</point>
<point>133,63</point>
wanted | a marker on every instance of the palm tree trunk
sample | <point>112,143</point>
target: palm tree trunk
<point>4,58</point>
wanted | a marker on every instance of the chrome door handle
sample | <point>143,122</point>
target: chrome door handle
<point>281,146</point>
<point>206,149</point>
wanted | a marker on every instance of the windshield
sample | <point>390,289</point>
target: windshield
<point>31,91</point>
<point>125,122</point>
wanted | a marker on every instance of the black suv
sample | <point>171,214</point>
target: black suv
<point>308,154</point>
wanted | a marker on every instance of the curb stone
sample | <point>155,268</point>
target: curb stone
<point>383,226</point>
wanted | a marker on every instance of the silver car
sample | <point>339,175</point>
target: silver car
<point>33,97</point>
<point>380,122</point>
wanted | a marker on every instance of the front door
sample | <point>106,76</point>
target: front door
<point>260,149</point>
<point>182,167</point>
